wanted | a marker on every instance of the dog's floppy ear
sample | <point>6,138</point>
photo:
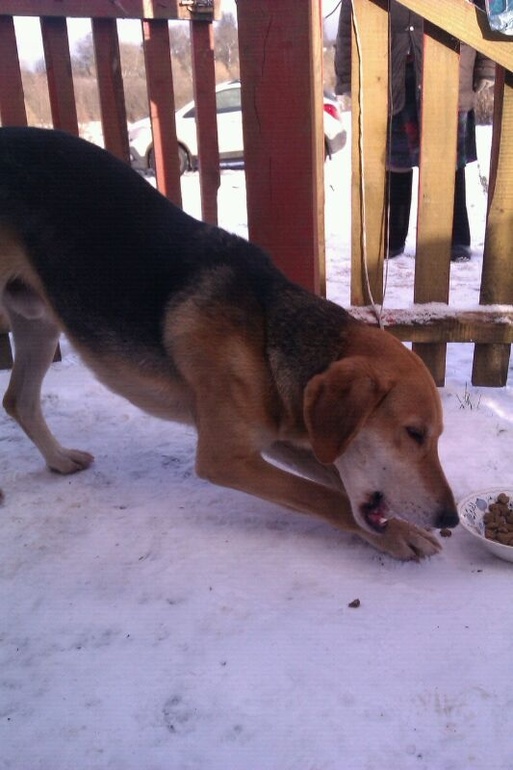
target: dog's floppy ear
<point>337,402</point>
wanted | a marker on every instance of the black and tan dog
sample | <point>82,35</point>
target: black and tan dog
<point>193,324</point>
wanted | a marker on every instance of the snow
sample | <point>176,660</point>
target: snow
<point>152,621</point>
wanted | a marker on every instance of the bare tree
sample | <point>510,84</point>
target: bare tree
<point>180,43</point>
<point>132,60</point>
<point>82,60</point>
<point>227,43</point>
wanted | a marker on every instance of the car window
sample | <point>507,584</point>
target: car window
<point>228,100</point>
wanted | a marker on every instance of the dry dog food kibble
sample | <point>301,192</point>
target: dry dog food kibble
<point>498,521</point>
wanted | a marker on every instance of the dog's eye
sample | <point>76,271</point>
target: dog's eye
<point>416,434</point>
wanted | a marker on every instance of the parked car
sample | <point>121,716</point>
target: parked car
<point>229,130</point>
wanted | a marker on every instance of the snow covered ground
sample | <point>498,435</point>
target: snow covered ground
<point>151,621</point>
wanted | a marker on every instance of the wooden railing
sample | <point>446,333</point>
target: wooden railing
<point>281,71</point>
<point>490,327</point>
<point>280,60</point>
<point>154,16</point>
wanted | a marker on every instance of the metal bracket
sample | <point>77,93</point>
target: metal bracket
<point>204,10</point>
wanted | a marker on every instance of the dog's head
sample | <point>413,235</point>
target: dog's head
<point>376,415</point>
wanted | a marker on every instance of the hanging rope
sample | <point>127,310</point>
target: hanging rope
<point>376,308</point>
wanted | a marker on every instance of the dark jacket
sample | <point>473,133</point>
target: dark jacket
<point>406,30</point>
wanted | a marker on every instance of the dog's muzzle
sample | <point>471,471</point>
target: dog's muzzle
<point>374,512</point>
<point>447,519</point>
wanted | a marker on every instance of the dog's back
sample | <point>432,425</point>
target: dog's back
<point>114,255</point>
<point>110,250</point>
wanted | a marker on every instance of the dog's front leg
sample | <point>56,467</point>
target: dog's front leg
<point>403,540</point>
<point>249,472</point>
<point>252,474</point>
<point>229,454</point>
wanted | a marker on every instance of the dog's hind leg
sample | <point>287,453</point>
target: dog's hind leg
<point>35,337</point>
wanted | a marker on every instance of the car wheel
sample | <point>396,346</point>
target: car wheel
<point>151,160</point>
<point>183,159</point>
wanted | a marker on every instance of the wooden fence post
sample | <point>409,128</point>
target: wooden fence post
<point>12,103</point>
<point>54,32</point>
<point>204,81</point>
<point>439,127</point>
<point>281,72</point>
<point>369,96</point>
<point>491,361</point>
<point>110,86</point>
<point>159,77</point>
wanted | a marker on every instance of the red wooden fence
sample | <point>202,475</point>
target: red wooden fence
<point>280,46</point>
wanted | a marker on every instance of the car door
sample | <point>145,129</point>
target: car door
<point>229,122</point>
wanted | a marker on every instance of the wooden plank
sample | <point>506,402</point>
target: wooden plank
<point>438,323</point>
<point>369,90</point>
<point>439,127</point>
<point>12,103</point>
<point>434,357</point>
<point>159,77</point>
<point>204,81</point>
<point>110,9</point>
<point>439,131</point>
<point>281,72</point>
<point>316,37</point>
<point>491,364</point>
<point>467,23</point>
<point>497,278</point>
<point>54,32</point>
<point>110,87</point>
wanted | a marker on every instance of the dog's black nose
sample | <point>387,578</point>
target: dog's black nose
<point>447,518</point>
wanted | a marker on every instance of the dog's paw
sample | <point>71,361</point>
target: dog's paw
<point>69,461</point>
<point>405,541</point>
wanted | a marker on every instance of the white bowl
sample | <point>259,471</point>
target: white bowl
<point>472,509</point>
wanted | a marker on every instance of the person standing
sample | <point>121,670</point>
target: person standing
<point>476,72</point>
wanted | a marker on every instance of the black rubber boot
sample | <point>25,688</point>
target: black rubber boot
<point>399,186</point>
<point>460,249</point>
